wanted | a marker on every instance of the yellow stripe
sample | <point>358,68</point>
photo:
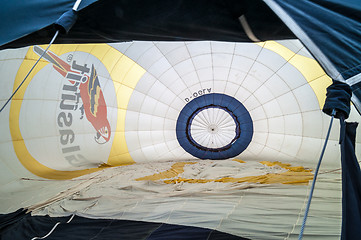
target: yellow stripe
<point>310,69</point>
<point>175,170</point>
<point>295,175</point>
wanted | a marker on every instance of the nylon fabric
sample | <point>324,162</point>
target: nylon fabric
<point>351,183</point>
<point>330,30</point>
<point>338,98</point>
<point>21,18</point>
<point>25,226</point>
<point>114,21</point>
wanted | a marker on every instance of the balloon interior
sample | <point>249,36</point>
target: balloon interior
<point>208,134</point>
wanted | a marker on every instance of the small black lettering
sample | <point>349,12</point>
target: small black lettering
<point>68,106</point>
<point>77,161</point>
<point>62,119</point>
<point>70,149</point>
<point>66,136</point>
<point>82,69</point>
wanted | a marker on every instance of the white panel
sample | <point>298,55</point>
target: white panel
<point>138,155</point>
<point>172,114</point>
<point>158,138</point>
<point>272,109</point>
<point>161,109</point>
<point>131,121</point>
<point>145,83</point>
<point>231,88</point>
<point>184,67</point>
<point>30,117</point>
<point>291,145</point>
<point>261,72</point>
<point>276,125</point>
<point>136,101</point>
<point>144,122</point>
<point>221,60</point>
<point>219,86</point>
<point>252,150</point>
<point>150,153</point>
<point>157,123</point>
<point>333,155</point>
<point>11,54</point>
<point>10,169</point>
<point>263,94</point>
<point>269,154</point>
<point>310,149</point>
<point>166,47</point>
<point>108,89</point>
<point>179,153</point>
<point>169,77</point>
<point>251,83</point>
<point>168,97</point>
<point>220,73</point>
<point>121,47</point>
<point>145,138</point>
<point>271,59</point>
<point>170,124</point>
<point>293,124</point>
<point>205,74</point>
<point>178,87</point>
<point>306,98</point>
<point>288,103</point>
<point>202,61</point>
<point>198,48</point>
<point>260,125</point>
<point>276,85</point>
<point>178,55</point>
<point>275,141</point>
<point>149,57</point>
<point>163,151</point>
<point>223,47</point>
<point>170,135</point>
<point>312,126</point>
<point>49,127</point>
<point>190,78</point>
<point>335,130</point>
<point>297,78</point>
<point>4,126</point>
<point>157,90</point>
<point>132,138</point>
<point>159,67</point>
<point>8,74</point>
<point>250,103</point>
<point>149,106</point>
<point>236,76</point>
<point>260,137</point>
<point>242,63</point>
<point>247,49</point>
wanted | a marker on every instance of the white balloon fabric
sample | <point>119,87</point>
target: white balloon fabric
<point>153,105</point>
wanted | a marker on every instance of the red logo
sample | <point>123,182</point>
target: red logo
<point>85,82</point>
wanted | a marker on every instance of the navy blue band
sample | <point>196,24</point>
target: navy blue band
<point>243,126</point>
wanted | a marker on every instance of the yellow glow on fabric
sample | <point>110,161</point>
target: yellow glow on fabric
<point>309,68</point>
<point>125,74</point>
<point>294,175</point>
<point>239,160</point>
<point>294,178</point>
<point>124,84</point>
<point>175,170</point>
<point>286,166</point>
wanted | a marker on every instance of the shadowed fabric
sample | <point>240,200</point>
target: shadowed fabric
<point>351,184</point>
<point>20,225</point>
